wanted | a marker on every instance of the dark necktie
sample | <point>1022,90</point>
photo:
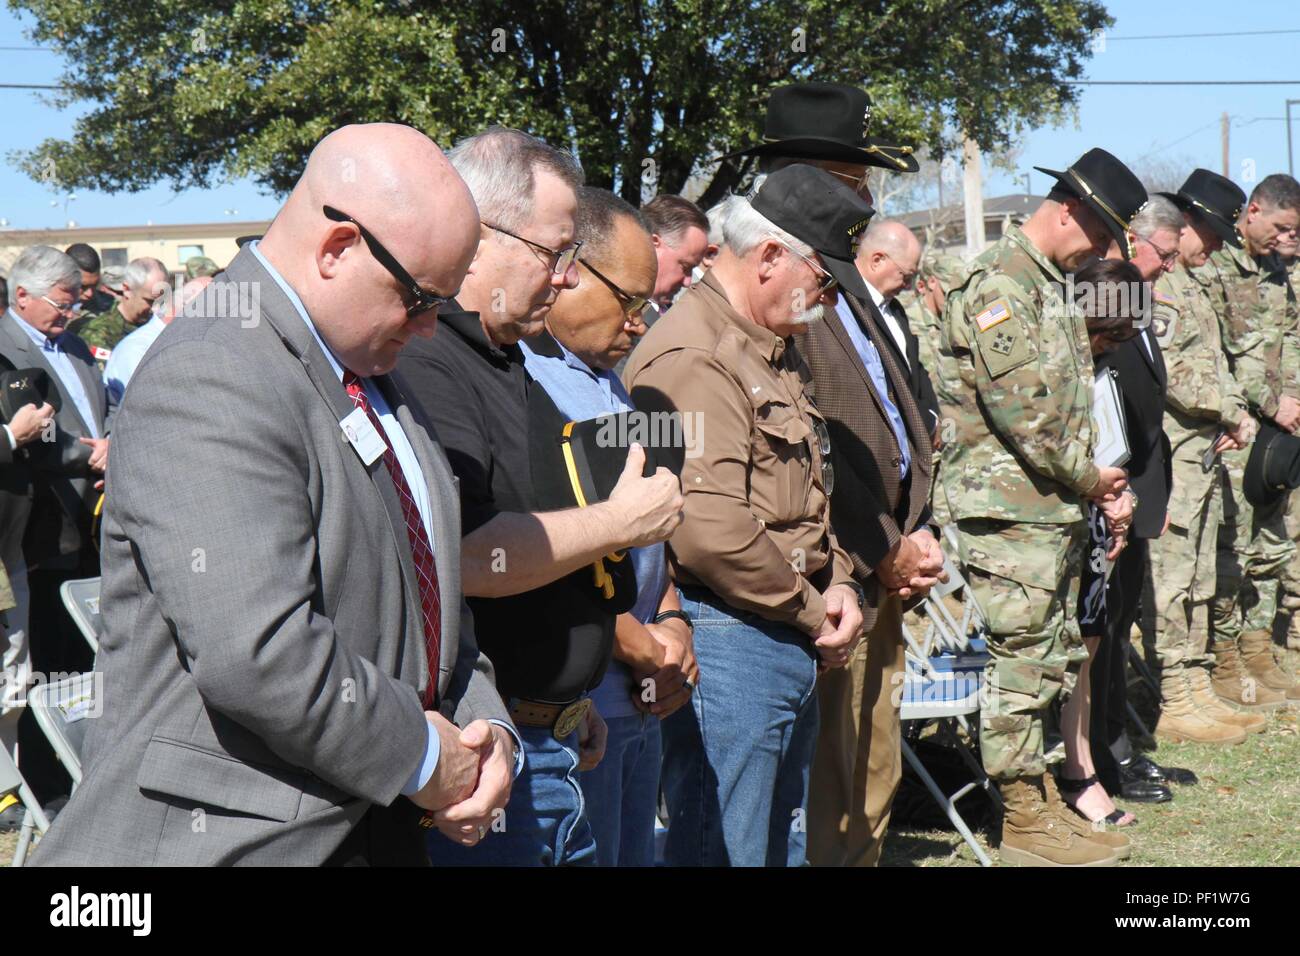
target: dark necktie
<point>422,555</point>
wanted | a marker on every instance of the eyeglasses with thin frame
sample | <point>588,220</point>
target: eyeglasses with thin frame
<point>861,184</point>
<point>1165,257</point>
<point>561,259</point>
<point>824,446</point>
<point>634,306</point>
<point>424,299</point>
<point>828,283</point>
<point>908,277</point>
<point>72,308</point>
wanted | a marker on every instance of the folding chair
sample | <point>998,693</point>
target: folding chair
<point>61,710</point>
<point>34,818</point>
<point>81,598</point>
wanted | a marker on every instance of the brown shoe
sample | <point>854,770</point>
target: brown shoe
<point>1094,830</point>
<point>1208,704</point>
<point>1240,689</point>
<point>1034,835</point>
<point>1259,662</point>
<point>1180,720</point>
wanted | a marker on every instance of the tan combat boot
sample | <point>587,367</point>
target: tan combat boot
<point>1293,631</point>
<point>1118,843</point>
<point>1257,657</point>
<point>1231,682</point>
<point>1209,704</point>
<point>1033,835</point>
<point>1181,721</point>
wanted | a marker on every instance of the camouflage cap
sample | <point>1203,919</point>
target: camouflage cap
<point>112,277</point>
<point>196,266</point>
<point>949,270</point>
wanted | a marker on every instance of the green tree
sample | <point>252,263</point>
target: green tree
<point>647,93</point>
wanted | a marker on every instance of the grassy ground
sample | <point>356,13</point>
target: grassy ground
<point>1244,812</point>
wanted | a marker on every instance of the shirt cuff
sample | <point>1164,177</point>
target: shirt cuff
<point>519,744</point>
<point>13,444</point>
<point>430,763</point>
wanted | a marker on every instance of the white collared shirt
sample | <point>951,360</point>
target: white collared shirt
<point>891,323</point>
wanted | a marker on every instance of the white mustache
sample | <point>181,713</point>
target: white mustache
<point>811,316</point>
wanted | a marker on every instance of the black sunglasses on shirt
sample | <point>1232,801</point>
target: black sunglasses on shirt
<point>424,299</point>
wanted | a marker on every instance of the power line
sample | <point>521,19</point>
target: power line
<point>29,49</point>
<point>1195,36</point>
<point>27,86</point>
<point>1182,82</point>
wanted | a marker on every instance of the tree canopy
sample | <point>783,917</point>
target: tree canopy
<point>196,92</point>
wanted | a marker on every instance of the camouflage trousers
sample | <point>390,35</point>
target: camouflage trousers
<point>1184,569</point>
<point>1253,555</point>
<point>1290,597</point>
<point>1025,578</point>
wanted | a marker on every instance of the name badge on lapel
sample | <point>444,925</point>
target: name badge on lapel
<point>363,436</point>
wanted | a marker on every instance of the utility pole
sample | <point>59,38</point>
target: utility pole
<point>973,188</point>
<point>1223,134</point>
<point>1290,161</point>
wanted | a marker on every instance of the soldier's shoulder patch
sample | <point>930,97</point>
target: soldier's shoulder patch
<point>1163,324</point>
<point>101,354</point>
<point>997,312</point>
<point>1003,344</point>
<point>1163,298</point>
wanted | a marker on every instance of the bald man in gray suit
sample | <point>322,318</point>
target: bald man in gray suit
<point>290,672</point>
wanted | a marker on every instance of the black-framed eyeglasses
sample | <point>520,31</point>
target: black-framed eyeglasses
<point>828,281</point>
<point>561,259</point>
<point>634,306</point>
<point>424,299</point>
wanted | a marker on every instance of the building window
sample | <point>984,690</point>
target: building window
<point>113,258</point>
<point>189,252</point>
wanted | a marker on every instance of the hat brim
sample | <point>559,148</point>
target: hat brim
<point>1221,227</point>
<point>1116,230</point>
<point>846,274</point>
<point>898,159</point>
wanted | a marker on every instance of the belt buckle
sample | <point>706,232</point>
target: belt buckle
<point>569,718</point>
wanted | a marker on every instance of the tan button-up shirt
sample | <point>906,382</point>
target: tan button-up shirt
<point>756,530</point>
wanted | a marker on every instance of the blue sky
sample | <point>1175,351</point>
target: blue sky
<point>1137,124</point>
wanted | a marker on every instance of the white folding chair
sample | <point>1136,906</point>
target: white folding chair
<point>34,818</point>
<point>81,598</point>
<point>61,710</point>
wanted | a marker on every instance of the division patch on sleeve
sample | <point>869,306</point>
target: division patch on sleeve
<point>1003,346</point>
<point>998,311</point>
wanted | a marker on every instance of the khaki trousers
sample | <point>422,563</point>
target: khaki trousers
<point>858,763</point>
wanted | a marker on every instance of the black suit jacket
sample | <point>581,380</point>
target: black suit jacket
<point>1143,382</point>
<point>909,363</point>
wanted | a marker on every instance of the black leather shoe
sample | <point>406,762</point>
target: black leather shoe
<point>1178,775</point>
<point>1140,788</point>
<point>1140,768</point>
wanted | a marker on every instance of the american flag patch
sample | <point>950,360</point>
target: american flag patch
<point>997,312</point>
<point>1163,297</point>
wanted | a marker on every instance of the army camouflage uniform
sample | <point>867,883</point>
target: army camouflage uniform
<point>1202,399</point>
<point>102,333</point>
<point>1018,389</point>
<point>1262,342</point>
<point>1290,598</point>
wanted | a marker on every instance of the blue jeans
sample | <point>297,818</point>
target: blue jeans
<point>545,822</point>
<point>623,791</point>
<point>736,762</point>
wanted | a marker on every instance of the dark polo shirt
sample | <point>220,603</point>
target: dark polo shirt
<point>550,644</point>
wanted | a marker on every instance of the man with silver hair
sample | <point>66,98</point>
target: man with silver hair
<point>527,569</point>
<point>46,529</point>
<point>769,589</point>
<point>143,284</point>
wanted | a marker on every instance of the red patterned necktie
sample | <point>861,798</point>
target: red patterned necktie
<point>421,553</point>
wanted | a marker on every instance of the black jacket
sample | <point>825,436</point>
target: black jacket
<point>1143,381</point>
<point>918,379</point>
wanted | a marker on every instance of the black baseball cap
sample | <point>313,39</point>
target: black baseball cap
<point>815,207</point>
<point>1108,188</point>
<point>1215,199</point>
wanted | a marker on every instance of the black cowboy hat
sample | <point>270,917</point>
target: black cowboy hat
<point>1273,466</point>
<point>1215,199</point>
<point>827,121</point>
<point>1108,188</point>
<point>814,206</point>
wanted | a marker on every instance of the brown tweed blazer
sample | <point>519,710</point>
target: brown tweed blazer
<point>870,508</point>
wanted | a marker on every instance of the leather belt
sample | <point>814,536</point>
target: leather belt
<point>560,719</point>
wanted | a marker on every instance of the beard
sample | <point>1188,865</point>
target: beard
<point>810,316</point>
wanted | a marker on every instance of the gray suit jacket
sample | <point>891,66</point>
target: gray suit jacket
<point>58,474</point>
<point>264,651</point>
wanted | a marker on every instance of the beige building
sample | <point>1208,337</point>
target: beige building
<point>118,245</point>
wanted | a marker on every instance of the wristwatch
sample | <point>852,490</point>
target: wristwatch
<point>857,588</point>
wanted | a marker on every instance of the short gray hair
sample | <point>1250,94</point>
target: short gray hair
<point>137,272</point>
<point>498,165</point>
<point>1159,213</point>
<point>743,228</point>
<point>42,268</point>
<point>716,215</point>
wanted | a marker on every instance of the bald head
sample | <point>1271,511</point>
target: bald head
<point>888,256</point>
<point>394,181</point>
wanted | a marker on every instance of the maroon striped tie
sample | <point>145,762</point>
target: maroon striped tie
<point>421,553</point>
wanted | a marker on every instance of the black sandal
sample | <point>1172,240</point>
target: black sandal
<point>1068,785</point>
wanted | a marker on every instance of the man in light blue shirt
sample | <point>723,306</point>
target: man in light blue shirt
<point>591,328</point>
